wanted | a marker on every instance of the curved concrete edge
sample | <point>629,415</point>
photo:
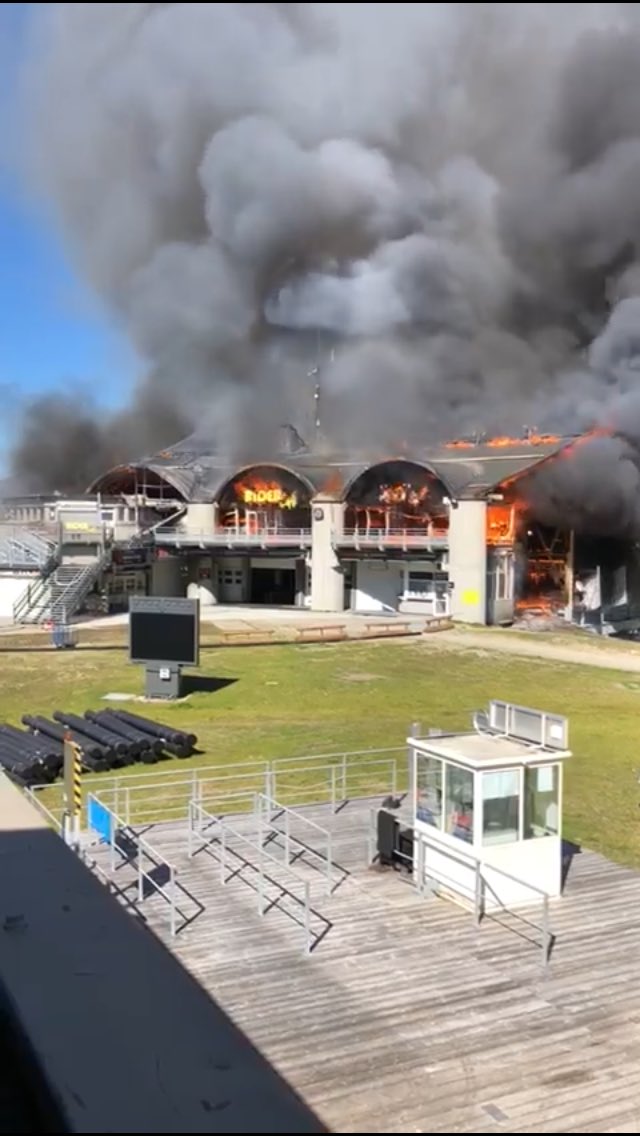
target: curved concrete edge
<point>126,1039</point>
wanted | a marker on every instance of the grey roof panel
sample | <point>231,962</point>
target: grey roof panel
<point>466,470</point>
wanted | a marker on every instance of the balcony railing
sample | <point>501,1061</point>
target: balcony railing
<point>233,538</point>
<point>403,539</point>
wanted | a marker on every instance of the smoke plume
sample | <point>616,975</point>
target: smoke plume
<point>438,204</point>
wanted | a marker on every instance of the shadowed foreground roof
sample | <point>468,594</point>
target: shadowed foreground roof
<point>466,469</point>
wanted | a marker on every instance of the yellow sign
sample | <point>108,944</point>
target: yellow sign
<point>272,496</point>
<point>470,597</point>
<point>80,526</point>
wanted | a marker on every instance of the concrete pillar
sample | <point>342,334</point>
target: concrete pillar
<point>199,519</point>
<point>468,561</point>
<point>327,577</point>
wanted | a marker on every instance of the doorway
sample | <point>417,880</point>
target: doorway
<point>275,587</point>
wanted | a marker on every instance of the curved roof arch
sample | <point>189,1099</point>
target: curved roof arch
<point>417,463</point>
<point>174,478</point>
<point>269,465</point>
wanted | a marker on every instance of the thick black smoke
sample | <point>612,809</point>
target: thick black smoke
<point>445,197</point>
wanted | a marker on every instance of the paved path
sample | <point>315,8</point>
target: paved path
<point>584,651</point>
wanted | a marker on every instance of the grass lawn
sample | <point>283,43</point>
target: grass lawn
<point>297,699</point>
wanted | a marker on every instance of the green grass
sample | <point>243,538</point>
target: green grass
<point>297,699</point>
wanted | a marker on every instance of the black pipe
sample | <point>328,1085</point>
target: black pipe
<point>114,726</point>
<point>42,749</point>
<point>111,722</point>
<point>177,737</point>
<point>92,757</point>
<point>29,772</point>
<point>95,732</point>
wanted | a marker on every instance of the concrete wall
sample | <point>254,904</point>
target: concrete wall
<point>198,519</point>
<point>327,579</point>
<point>12,585</point>
<point>126,1039</point>
<point>379,584</point>
<point>468,561</point>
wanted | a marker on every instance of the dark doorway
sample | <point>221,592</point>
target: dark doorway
<point>273,586</point>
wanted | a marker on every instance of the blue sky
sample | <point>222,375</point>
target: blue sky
<point>53,333</point>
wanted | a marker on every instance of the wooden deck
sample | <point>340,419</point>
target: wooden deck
<point>405,1018</point>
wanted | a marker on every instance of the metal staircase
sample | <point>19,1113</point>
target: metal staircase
<point>60,594</point>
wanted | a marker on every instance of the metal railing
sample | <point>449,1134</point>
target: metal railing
<point>210,830</point>
<point>265,806</point>
<point>72,594</point>
<point>480,888</point>
<point>233,537</point>
<point>381,538</point>
<point>324,778</point>
<point>55,819</point>
<point>117,828</point>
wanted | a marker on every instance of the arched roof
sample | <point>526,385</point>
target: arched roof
<point>464,470</point>
<point>277,465</point>
<point>427,467</point>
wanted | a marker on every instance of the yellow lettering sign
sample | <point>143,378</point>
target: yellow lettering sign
<point>270,496</point>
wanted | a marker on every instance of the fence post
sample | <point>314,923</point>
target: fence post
<point>370,838</point>
<point>307,921</point>
<point>172,885</point>
<point>332,769</point>
<point>287,853</point>
<point>223,853</point>
<point>140,876</point>
<point>420,866</point>
<point>344,778</point>
<point>116,796</point>
<point>260,868</point>
<point>414,732</point>
<point>127,804</point>
<point>190,807</point>
<point>112,841</point>
<point>394,778</point>
<point>477,903</point>
<point>329,864</point>
<point>545,934</point>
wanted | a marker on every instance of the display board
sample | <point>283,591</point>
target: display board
<point>164,630</point>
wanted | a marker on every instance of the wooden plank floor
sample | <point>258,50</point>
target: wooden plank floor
<point>405,1018</point>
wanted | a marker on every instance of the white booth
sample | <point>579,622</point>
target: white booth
<point>488,808</point>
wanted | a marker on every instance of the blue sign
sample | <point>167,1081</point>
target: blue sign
<point>100,819</point>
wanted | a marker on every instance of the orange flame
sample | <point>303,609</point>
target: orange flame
<point>403,494</point>
<point>502,523</point>
<point>503,442</point>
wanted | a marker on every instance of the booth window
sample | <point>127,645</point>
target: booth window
<point>541,801</point>
<point>429,790</point>
<point>500,807</point>
<point>459,802</point>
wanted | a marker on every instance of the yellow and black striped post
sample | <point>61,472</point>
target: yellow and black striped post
<point>72,787</point>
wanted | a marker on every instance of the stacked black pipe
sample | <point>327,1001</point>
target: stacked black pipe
<point>107,739</point>
<point>26,759</point>
<point>93,756</point>
<point>177,742</point>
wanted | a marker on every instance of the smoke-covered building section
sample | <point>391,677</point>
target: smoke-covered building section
<point>453,531</point>
<point>473,530</point>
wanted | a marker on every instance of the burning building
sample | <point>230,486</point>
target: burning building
<point>456,530</point>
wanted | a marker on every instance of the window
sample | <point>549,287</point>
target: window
<point>459,803</point>
<point>501,580</point>
<point>431,587</point>
<point>500,807</point>
<point>429,790</point>
<point>541,801</point>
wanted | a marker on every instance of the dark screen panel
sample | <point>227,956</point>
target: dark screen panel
<point>163,638</point>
